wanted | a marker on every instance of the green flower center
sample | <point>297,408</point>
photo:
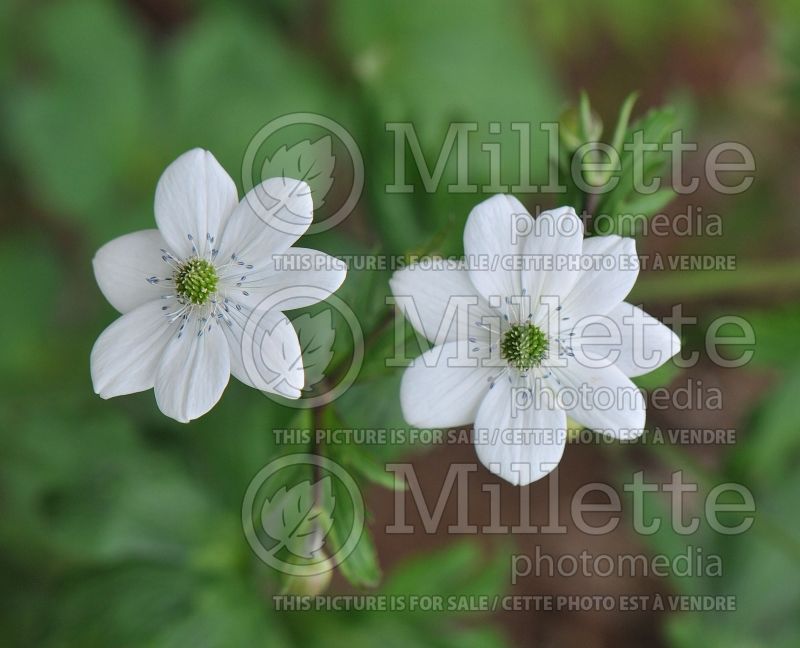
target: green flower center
<point>196,280</point>
<point>523,346</point>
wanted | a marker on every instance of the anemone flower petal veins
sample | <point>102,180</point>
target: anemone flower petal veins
<point>188,292</point>
<point>532,329</point>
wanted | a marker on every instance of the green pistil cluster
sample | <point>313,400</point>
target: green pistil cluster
<point>196,280</point>
<point>523,346</point>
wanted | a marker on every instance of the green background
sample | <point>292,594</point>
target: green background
<point>119,527</point>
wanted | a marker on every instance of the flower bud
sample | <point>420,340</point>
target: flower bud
<point>315,578</point>
<point>571,130</point>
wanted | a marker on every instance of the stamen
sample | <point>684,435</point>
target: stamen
<point>196,280</point>
<point>523,346</point>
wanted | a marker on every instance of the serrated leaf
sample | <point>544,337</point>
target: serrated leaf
<point>317,335</point>
<point>295,522</point>
<point>312,163</point>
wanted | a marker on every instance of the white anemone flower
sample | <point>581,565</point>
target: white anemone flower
<point>533,328</point>
<point>190,291</point>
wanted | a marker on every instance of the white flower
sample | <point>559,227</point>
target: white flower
<point>190,290</point>
<point>533,329</point>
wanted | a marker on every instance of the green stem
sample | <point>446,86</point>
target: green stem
<point>693,284</point>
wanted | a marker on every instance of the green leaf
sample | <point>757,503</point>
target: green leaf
<point>160,606</point>
<point>622,122</point>
<point>361,566</point>
<point>769,452</point>
<point>85,489</point>
<point>227,462</point>
<point>778,344</point>
<point>368,466</point>
<point>754,562</point>
<point>375,405</point>
<point>423,67</point>
<point>122,607</point>
<point>26,351</point>
<point>80,129</point>
<point>457,570</point>
<point>585,112</point>
<point>656,127</point>
<point>648,204</point>
<point>248,64</point>
<point>225,613</point>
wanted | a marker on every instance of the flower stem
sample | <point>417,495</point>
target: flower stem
<point>689,284</point>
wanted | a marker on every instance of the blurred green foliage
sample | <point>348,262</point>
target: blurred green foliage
<point>121,528</point>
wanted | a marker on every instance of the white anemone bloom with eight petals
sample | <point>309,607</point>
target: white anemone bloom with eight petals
<point>531,329</point>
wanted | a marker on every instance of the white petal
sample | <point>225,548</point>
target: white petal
<point>634,341</point>
<point>603,287</point>
<point>265,352</point>
<point>194,197</point>
<point>297,278</point>
<point>516,438</point>
<point>123,266</point>
<point>270,218</point>
<point>193,372</point>
<point>436,393</point>
<point>440,301</point>
<point>125,357</point>
<point>553,249</point>
<point>604,400</point>
<point>493,239</point>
